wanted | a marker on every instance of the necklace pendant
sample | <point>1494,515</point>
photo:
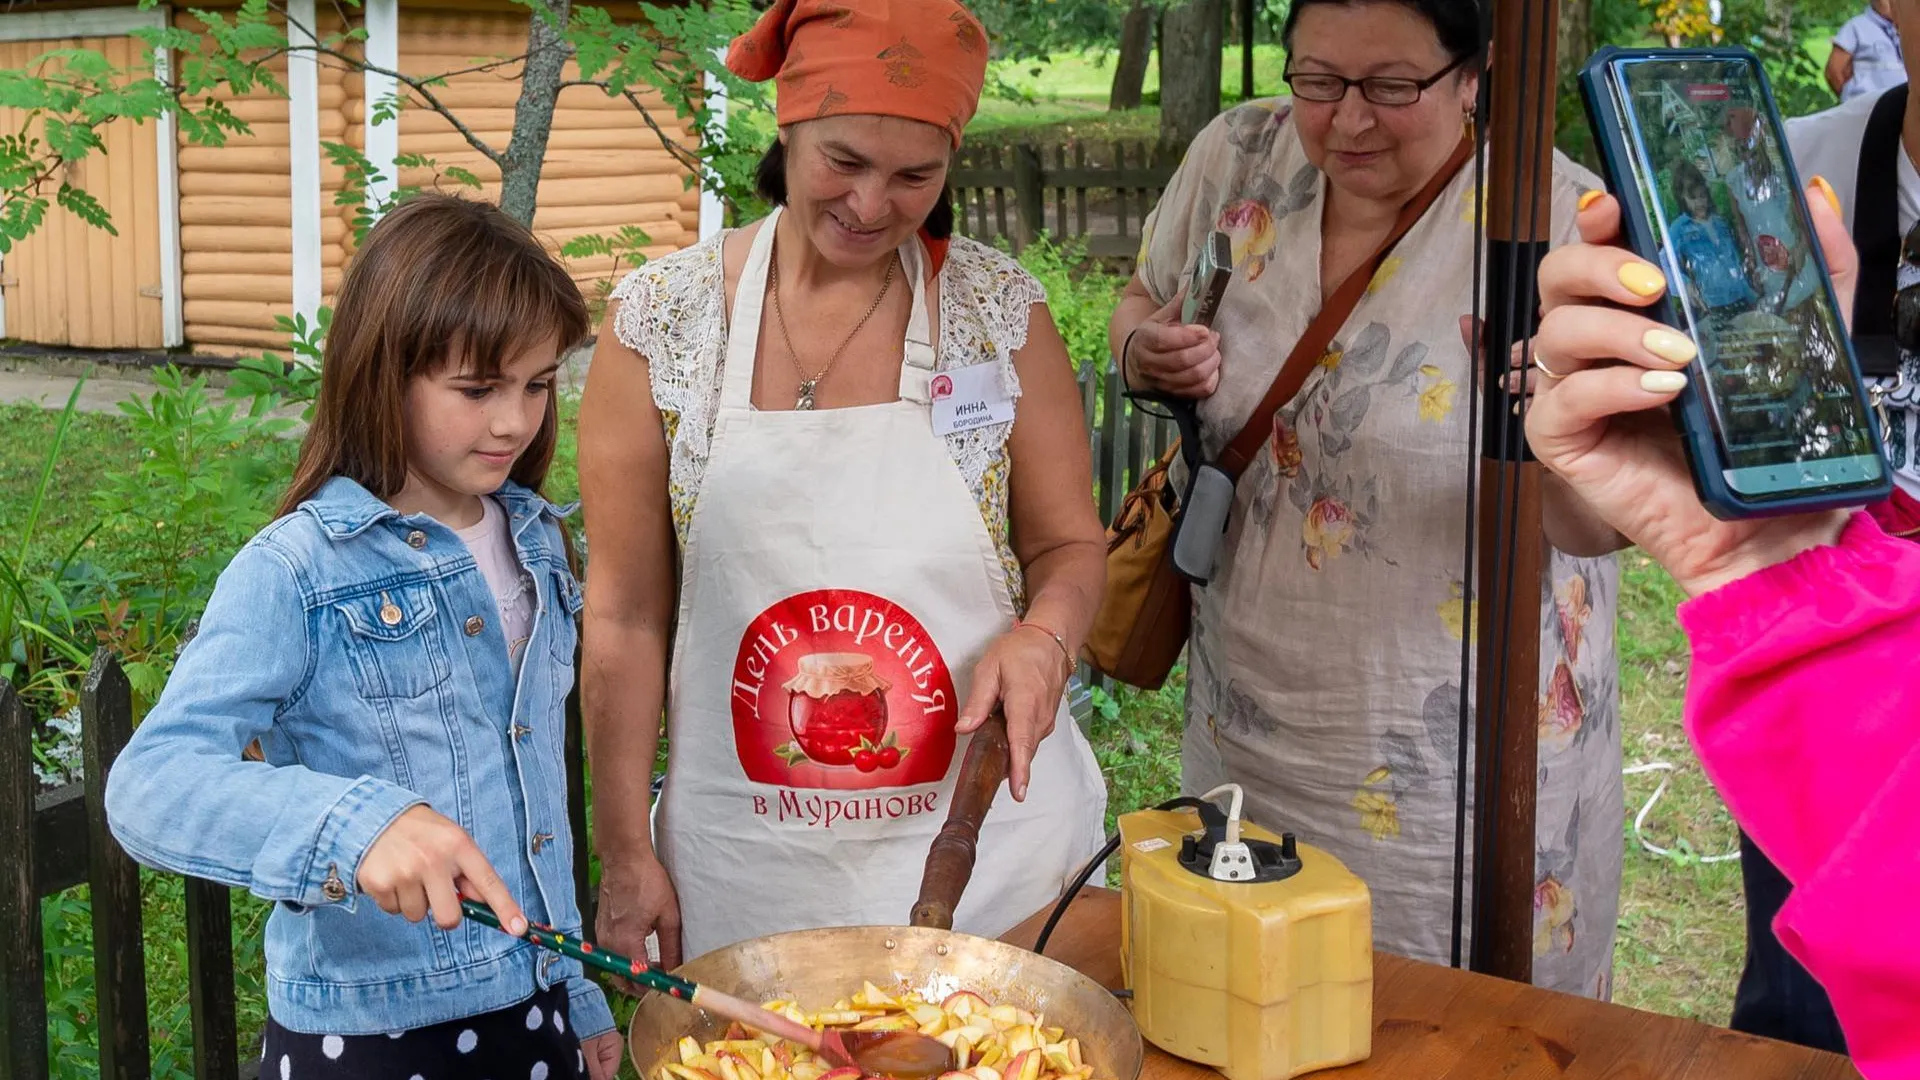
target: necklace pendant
<point>805,403</point>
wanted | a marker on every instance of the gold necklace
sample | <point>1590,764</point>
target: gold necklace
<point>805,401</point>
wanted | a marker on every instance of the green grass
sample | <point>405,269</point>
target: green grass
<point>1680,940</point>
<point>1065,98</point>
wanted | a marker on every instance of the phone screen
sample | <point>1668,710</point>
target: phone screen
<point>1740,257</point>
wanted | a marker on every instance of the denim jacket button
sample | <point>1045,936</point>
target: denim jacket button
<point>540,841</point>
<point>416,539</point>
<point>333,888</point>
<point>475,624</point>
<point>521,731</point>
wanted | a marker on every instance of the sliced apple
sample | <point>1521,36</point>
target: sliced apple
<point>993,1055</point>
<point>924,1014</point>
<point>965,1003</point>
<point>1025,1066</point>
<point>1022,1039</point>
<point>844,1072</point>
<point>1003,1016</point>
<point>951,1037</point>
<point>833,1018</point>
<point>689,1049</point>
<point>1073,1053</point>
<point>887,1022</point>
<point>984,1072</point>
<point>877,996</point>
<point>1052,1034</point>
<point>1057,1057</point>
<point>807,1070</point>
<point>962,1052</point>
<point>977,1033</point>
<point>956,1076</point>
<point>1025,1017</point>
<point>682,1072</point>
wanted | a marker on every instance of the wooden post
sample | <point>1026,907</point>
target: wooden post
<point>216,1042</point>
<point>119,969</point>
<point>1246,50</point>
<point>1511,551</point>
<point>576,750</point>
<point>23,1002</point>
<point>1029,195</point>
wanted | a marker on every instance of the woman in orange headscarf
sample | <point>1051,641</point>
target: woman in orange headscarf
<point>860,442</point>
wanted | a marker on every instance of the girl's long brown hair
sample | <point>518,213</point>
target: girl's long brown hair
<point>440,280</point>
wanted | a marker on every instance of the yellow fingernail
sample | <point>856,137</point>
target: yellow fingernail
<point>1589,198</point>
<point>1672,347</point>
<point>1642,278</point>
<point>1662,382</point>
<point>1827,190</point>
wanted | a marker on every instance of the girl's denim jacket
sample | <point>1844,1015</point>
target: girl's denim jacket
<point>362,648</point>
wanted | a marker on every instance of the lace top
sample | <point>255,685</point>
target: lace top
<point>673,312</point>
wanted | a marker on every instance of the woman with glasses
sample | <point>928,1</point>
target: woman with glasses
<point>1324,666</point>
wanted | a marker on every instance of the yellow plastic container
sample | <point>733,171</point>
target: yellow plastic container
<point>1263,980</point>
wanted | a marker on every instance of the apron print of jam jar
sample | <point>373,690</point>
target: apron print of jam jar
<point>841,689</point>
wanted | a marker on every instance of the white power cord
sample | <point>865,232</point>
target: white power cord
<point>1640,818</point>
<point>1232,860</point>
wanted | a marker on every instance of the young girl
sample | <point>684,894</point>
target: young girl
<point>399,643</point>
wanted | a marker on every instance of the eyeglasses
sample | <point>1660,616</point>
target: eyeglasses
<point>1380,90</point>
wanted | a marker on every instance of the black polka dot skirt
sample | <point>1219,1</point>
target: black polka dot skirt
<point>533,1040</point>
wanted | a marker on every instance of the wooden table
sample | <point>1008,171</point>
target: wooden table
<point>1432,1022</point>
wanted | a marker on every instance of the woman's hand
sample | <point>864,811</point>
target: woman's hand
<point>1174,358</point>
<point>1025,673</point>
<point>423,862</point>
<point>603,1055</point>
<point>637,899</point>
<point>1603,427</point>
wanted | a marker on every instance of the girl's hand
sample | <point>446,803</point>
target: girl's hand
<point>1025,672</point>
<point>422,864</point>
<point>1603,427</point>
<point>1166,355</point>
<point>603,1055</point>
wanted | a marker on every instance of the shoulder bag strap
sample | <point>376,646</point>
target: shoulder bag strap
<point>1332,316</point>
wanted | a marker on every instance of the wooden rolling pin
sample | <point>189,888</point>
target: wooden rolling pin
<point>950,857</point>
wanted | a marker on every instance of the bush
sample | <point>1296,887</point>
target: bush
<point>1081,294</point>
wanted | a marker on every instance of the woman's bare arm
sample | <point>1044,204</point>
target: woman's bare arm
<point>628,624</point>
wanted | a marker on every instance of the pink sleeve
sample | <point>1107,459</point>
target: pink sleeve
<point>1804,706</point>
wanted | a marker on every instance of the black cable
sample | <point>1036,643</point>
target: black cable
<point>1185,802</point>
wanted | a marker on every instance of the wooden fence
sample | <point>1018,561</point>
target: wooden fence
<point>1105,202</point>
<point>57,840</point>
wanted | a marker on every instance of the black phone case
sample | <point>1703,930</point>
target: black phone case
<point>1692,411</point>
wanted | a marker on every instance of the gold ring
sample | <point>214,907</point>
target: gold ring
<point>1545,370</point>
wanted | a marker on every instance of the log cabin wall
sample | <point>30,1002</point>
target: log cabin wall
<point>236,220</point>
<point>604,169</point>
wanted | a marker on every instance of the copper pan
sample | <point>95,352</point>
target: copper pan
<point>818,967</point>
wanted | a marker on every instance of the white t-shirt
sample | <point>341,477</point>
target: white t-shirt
<point>492,546</point>
<point>1827,144</point>
<point>1873,42</point>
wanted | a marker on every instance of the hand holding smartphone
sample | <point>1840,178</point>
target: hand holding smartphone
<point>1775,417</point>
<point>1209,495</point>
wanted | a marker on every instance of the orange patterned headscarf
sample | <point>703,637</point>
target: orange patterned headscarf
<point>922,60</point>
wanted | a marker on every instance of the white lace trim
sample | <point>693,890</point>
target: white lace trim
<point>672,313</point>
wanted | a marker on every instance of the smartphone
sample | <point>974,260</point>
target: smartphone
<point>1212,271</point>
<point>1776,418</point>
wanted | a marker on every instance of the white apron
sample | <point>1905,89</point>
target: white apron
<point>838,587</point>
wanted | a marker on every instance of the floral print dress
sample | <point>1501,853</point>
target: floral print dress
<point>1325,662</point>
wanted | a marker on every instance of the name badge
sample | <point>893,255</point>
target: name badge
<point>969,397</point>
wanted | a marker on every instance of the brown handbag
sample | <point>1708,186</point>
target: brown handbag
<point>1146,611</point>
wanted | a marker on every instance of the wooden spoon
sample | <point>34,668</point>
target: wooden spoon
<point>901,1055</point>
